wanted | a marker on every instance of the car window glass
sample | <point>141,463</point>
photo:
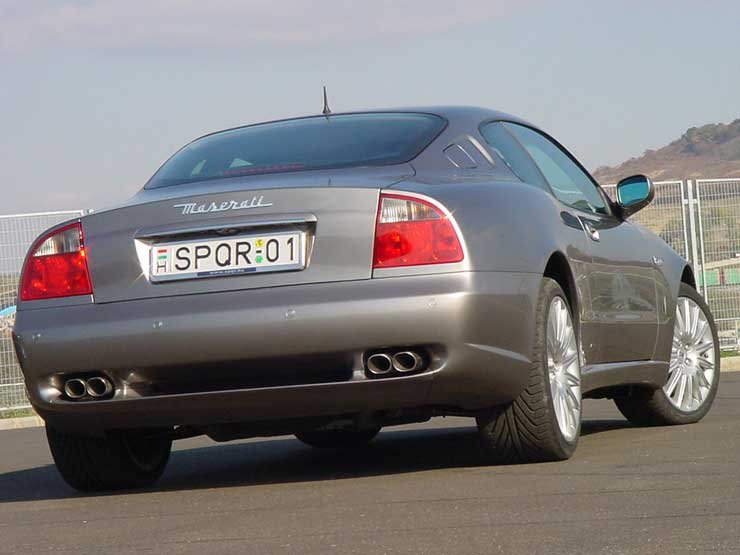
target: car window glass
<point>198,168</point>
<point>569,183</point>
<point>512,154</point>
<point>313,143</point>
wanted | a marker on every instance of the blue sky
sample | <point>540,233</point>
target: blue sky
<point>95,94</point>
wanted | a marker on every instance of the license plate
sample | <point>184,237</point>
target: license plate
<point>244,254</point>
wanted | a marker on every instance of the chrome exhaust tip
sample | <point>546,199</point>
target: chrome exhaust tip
<point>379,364</point>
<point>98,386</point>
<point>407,361</point>
<point>75,388</point>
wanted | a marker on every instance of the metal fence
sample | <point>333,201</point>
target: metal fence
<point>667,215</point>
<point>17,232</point>
<point>700,219</point>
<point>718,253</point>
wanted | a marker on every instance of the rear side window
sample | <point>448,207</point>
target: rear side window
<point>513,155</point>
<point>569,183</point>
<point>314,143</point>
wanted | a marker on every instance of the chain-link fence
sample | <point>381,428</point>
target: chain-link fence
<point>17,232</point>
<point>718,208</point>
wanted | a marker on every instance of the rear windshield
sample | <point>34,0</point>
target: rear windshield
<point>313,143</point>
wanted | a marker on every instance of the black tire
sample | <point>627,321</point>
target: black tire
<point>527,430</point>
<point>651,407</point>
<point>336,439</point>
<point>123,461</point>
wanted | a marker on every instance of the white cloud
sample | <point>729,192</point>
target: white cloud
<point>225,24</point>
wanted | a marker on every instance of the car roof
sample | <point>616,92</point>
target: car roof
<point>457,114</point>
<point>458,117</point>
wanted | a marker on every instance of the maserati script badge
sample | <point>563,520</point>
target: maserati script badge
<point>195,208</point>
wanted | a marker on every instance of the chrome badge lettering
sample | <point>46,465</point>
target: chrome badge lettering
<point>190,208</point>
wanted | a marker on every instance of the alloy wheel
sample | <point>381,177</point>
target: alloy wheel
<point>564,368</point>
<point>693,365</point>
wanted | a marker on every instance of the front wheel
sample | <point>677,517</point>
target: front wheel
<point>125,460</point>
<point>693,372</point>
<point>544,422</point>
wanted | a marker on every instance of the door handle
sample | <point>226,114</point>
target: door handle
<point>591,231</point>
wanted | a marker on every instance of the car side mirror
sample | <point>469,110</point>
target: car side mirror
<point>634,193</point>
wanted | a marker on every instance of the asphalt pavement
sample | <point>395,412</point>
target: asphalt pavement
<point>416,489</point>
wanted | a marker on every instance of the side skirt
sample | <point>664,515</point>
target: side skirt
<point>599,378</point>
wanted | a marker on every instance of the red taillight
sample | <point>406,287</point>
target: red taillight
<point>411,231</point>
<point>57,266</point>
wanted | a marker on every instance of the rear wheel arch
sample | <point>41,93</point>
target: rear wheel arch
<point>558,269</point>
<point>529,428</point>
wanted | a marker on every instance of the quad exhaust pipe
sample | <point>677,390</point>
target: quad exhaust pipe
<point>99,387</point>
<point>402,362</point>
<point>75,388</point>
<point>95,387</point>
<point>407,361</point>
<point>379,364</point>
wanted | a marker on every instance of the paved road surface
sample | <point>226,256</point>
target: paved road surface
<point>419,489</point>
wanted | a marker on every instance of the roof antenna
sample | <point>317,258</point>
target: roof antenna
<point>326,110</point>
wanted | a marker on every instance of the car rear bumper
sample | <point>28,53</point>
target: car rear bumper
<point>477,325</point>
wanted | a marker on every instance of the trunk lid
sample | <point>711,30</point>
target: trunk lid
<point>336,211</point>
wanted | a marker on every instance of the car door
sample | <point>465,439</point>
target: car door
<point>621,321</point>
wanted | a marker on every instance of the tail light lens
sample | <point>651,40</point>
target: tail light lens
<point>410,231</point>
<point>57,266</point>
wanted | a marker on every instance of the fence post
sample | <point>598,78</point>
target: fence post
<point>701,238</point>
<point>684,224</point>
<point>693,233</point>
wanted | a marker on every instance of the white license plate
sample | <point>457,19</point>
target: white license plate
<point>244,254</point>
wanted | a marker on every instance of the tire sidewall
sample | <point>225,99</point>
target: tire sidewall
<point>93,464</point>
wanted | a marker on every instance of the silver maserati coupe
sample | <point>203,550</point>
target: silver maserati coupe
<point>327,276</point>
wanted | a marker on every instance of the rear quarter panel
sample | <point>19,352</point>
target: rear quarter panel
<point>515,227</point>
<point>507,226</point>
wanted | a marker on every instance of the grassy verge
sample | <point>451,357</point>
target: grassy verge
<point>727,354</point>
<point>16,413</point>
